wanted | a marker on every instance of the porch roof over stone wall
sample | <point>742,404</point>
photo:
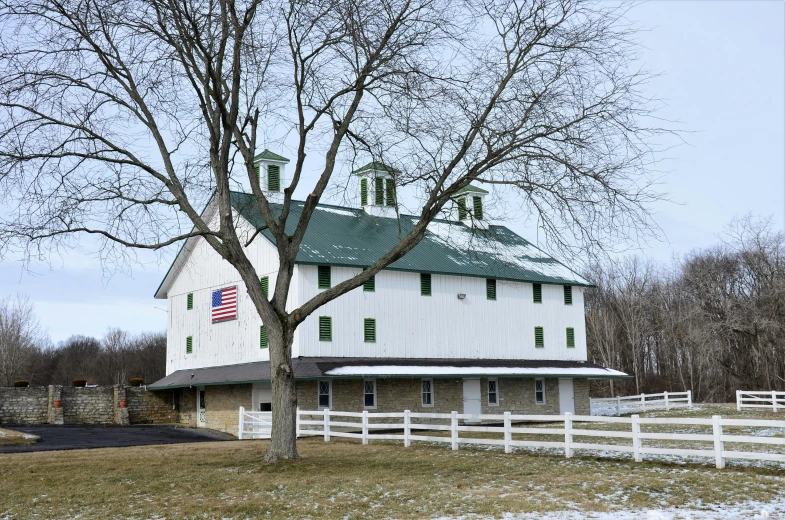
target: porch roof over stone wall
<point>311,368</point>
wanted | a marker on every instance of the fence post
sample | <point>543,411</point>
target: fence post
<point>718,444</point>
<point>689,398</point>
<point>618,405</point>
<point>636,439</point>
<point>567,434</point>
<point>240,423</point>
<point>365,426</point>
<point>454,429</point>
<point>407,429</point>
<point>326,424</point>
<point>643,401</point>
<point>667,403</point>
<point>507,432</point>
<point>774,400</point>
<point>738,400</point>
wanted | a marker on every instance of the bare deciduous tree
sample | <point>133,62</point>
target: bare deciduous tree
<point>120,119</point>
<point>21,340</point>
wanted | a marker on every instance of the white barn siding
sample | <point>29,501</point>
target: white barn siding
<point>410,325</point>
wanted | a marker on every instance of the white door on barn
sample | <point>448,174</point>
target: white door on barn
<point>566,396</point>
<point>201,408</point>
<point>262,397</point>
<point>472,397</point>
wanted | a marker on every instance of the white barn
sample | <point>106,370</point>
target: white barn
<point>474,318</point>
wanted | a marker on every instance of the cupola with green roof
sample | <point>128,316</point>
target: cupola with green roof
<point>470,206</point>
<point>271,171</point>
<point>376,191</point>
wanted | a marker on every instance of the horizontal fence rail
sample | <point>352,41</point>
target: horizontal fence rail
<point>772,400</point>
<point>255,425</point>
<point>705,437</point>
<point>640,403</point>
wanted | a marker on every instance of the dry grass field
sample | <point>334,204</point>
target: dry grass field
<point>344,479</point>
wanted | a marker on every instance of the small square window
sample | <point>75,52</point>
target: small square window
<point>493,392</point>
<point>369,393</point>
<point>325,394</point>
<point>427,392</point>
<point>539,391</point>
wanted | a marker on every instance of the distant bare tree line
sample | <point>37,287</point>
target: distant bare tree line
<point>712,322</point>
<point>26,352</point>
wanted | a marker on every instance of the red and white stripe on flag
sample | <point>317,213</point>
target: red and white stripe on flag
<point>224,304</point>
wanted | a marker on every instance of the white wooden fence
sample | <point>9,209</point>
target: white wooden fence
<point>640,403</point>
<point>255,425</point>
<point>773,400</point>
<point>409,426</point>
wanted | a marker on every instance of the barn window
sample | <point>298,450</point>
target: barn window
<point>427,392</point>
<point>567,295</point>
<point>539,391</point>
<point>274,178</point>
<point>264,281</point>
<point>570,337</point>
<point>537,292</point>
<point>263,339</point>
<point>425,284</point>
<point>363,192</point>
<point>390,192</point>
<point>189,344</point>
<point>493,392</point>
<point>539,337</point>
<point>325,328</point>
<point>369,330</point>
<point>325,394</point>
<point>462,208</point>
<point>369,393</point>
<point>490,288</point>
<point>190,304</point>
<point>325,278</point>
<point>379,191</point>
<point>477,205</point>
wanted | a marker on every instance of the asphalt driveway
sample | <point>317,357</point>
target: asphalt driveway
<point>83,437</point>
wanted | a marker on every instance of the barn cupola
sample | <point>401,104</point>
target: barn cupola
<point>470,206</point>
<point>271,172</point>
<point>376,189</point>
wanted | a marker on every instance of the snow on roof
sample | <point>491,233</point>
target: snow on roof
<point>397,370</point>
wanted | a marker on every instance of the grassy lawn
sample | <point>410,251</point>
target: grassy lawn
<point>344,479</point>
<point>13,438</point>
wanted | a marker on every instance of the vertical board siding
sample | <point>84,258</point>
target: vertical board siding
<point>442,326</point>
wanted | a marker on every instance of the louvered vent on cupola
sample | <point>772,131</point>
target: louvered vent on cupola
<point>271,172</point>
<point>376,190</point>
<point>469,204</point>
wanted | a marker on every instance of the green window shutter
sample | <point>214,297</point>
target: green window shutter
<point>570,337</point>
<point>425,284</point>
<point>390,192</point>
<point>490,288</point>
<point>325,328</point>
<point>539,337</point>
<point>567,295</point>
<point>274,178</point>
<point>189,344</point>
<point>537,290</point>
<point>370,285</point>
<point>190,304</point>
<point>363,192</point>
<point>265,283</point>
<point>369,330</point>
<point>462,208</point>
<point>477,203</point>
<point>263,339</point>
<point>324,277</point>
<point>379,191</point>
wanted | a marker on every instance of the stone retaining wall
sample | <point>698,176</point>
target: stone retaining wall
<point>88,405</point>
<point>24,405</point>
<point>152,407</point>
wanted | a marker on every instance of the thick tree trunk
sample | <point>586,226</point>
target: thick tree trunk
<point>284,431</point>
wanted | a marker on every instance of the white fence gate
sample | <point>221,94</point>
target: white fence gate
<point>773,400</point>
<point>640,403</point>
<point>255,425</point>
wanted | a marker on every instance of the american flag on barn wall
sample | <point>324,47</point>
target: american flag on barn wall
<point>224,304</point>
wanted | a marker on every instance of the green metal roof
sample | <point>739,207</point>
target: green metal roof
<point>376,166</point>
<point>471,189</point>
<point>270,156</point>
<point>350,237</point>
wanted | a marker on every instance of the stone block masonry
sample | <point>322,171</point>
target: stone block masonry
<point>24,405</point>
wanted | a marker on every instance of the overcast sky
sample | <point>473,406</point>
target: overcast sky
<point>723,65</point>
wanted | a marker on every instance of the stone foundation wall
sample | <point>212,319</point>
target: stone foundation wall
<point>152,407</point>
<point>222,405</point>
<point>24,405</point>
